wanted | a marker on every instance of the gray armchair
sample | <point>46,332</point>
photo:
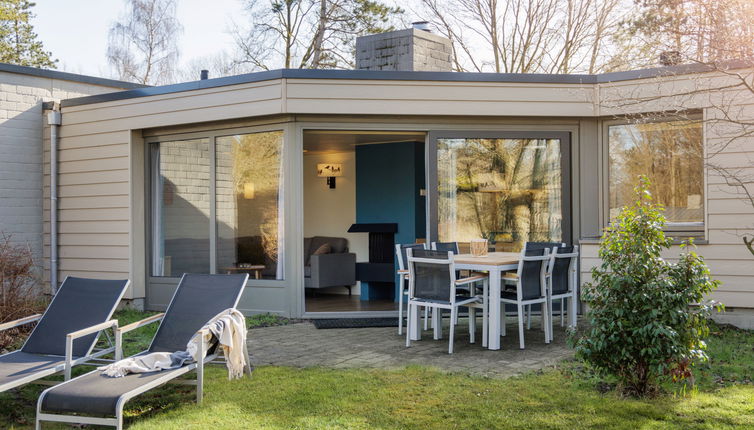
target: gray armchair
<point>336,268</point>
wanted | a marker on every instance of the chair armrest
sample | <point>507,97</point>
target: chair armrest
<point>19,322</point>
<point>141,323</point>
<point>470,279</point>
<point>69,338</point>
<point>130,327</point>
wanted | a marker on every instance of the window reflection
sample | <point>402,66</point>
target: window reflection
<point>670,155</point>
<point>505,190</point>
<point>180,207</point>
<point>249,204</point>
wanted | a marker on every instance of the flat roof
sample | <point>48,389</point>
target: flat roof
<point>406,76</point>
<point>65,76</point>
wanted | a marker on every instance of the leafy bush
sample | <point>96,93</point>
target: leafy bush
<point>19,296</point>
<point>648,317</point>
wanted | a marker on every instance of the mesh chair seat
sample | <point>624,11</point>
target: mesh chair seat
<point>509,295</point>
<point>18,365</point>
<point>560,271</point>
<point>79,303</point>
<point>96,394</point>
<point>446,246</point>
<point>532,246</point>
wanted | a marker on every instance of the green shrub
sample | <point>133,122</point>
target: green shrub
<point>647,317</point>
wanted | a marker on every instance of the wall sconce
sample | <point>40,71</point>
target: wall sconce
<point>330,171</point>
<point>248,190</point>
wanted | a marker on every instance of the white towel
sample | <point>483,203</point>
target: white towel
<point>228,327</point>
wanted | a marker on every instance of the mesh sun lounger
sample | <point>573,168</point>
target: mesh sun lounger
<point>93,398</point>
<point>66,332</point>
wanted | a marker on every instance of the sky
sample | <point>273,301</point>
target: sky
<point>75,31</point>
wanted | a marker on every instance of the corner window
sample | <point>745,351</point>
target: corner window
<point>670,154</point>
<point>216,205</point>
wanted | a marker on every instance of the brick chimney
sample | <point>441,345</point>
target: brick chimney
<point>412,49</point>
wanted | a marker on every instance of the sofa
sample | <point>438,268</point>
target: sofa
<point>334,268</point>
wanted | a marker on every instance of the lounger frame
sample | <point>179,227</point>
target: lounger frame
<point>169,377</point>
<point>67,366</point>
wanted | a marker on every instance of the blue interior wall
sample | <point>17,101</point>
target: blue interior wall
<point>388,179</point>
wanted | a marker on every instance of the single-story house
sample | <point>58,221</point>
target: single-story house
<point>265,172</point>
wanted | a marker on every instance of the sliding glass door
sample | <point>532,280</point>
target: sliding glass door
<point>506,187</point>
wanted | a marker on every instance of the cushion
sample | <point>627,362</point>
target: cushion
<point>338,245</point>
<point>324,249</point>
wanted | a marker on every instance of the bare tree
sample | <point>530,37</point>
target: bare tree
<point>310,34</point>
<point>701,30</point>
<point>528,36</point>
<point>142,45</point>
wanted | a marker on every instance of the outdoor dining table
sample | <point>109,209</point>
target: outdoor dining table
<point>495,263</point>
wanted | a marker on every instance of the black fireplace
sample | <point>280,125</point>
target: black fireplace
<point>379,271</point>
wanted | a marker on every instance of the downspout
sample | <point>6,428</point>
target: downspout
<point>54,119</point>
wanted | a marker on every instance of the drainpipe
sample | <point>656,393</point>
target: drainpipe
<point>54,119</point>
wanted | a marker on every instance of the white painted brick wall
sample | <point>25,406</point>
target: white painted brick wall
<point>21,125</point>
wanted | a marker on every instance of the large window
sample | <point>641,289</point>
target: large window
<point>249,210</point>
<point>670,154</point>
<point>507,190</point>
<point>234,225</point>
<point>180,207</point>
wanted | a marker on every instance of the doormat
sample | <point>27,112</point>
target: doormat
<point>355,322</point>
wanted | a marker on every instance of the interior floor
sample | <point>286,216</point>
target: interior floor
<point>345,303</point>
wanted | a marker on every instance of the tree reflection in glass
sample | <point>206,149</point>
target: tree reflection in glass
<point>505,190</point>
<point>249,209</point>
<point>670,154</point>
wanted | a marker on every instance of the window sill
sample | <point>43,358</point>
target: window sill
<point>676,241</point>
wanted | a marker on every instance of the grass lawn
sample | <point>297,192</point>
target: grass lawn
<point>565,397</point>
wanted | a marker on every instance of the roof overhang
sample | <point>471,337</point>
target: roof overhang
<point>522,78</point>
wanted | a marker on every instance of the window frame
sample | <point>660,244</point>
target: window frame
<point>567,178</point>
<point>211,136</point>
<point>678,230</point>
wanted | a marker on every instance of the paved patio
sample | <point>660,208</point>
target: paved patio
<point>302,345</point>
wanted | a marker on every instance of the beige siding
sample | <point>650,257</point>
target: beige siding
<point>102,201</point>
<point>93,203</point>
<point>437,98</point>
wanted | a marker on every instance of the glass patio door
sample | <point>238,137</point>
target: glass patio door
<point>508,188</point>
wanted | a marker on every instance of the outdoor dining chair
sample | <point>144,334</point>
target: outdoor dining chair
<point>562,283</point>
<point>510,278</point>
<point>446,246</point>
<point>99,399</point>
<point>530,288</point>
<point>65,334</point>
<point>400,254</point>
<point>452,247</point>
<point>432,284</point>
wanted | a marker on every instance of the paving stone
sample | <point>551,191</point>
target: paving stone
<point>302,345</point>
